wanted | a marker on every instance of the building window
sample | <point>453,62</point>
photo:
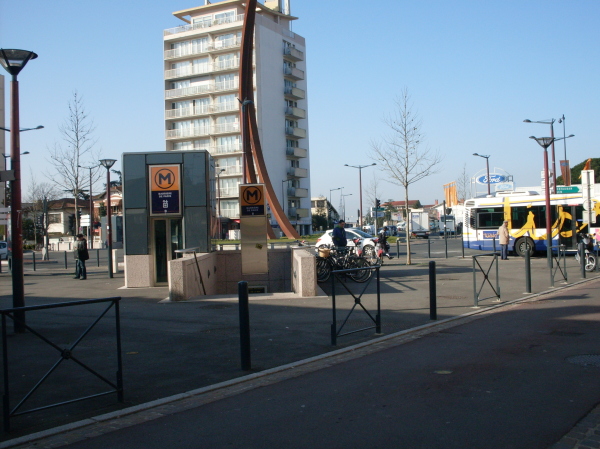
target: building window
<point>54,218</point>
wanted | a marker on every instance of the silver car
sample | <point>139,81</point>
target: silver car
<point>366,245</point>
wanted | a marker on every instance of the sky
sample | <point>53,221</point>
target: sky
<point>474,70</point>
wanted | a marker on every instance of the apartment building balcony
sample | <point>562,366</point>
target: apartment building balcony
<point>236,20</point>
<point>229,213</point>
<point>213,47</point>
<point>294,93</point>
<point>297,212</point>
<point>226,149</point>
<point>297,172</point>
<point>232,170</point>
<point>201,89</point>
<point>297,192</point>
<point>205,109</point>
<point>295,112</point>
<point>226,128</point>
<point>294,73</point>
<point>295,132</point>
<point>296,152</point>
<point>229,192</point>
<point>293,54</point>
<point>202,69</point>
<point>202,131</point>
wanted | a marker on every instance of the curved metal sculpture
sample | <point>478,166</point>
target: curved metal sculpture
<point>252,151</point>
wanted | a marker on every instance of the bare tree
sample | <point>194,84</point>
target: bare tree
<point>401,154</point>
<point>76,152</point>
<point>463,184</point>
<point>37,193</point>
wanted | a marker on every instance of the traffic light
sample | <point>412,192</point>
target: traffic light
<point>377,203</point>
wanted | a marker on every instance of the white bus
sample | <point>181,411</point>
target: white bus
<point>526,215</point>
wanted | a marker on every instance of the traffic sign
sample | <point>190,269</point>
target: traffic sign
<point>567,189</point>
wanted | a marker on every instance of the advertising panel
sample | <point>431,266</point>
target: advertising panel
<point>165,189</point>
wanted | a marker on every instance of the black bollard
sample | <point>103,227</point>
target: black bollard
<point>244,325</point>
<point>527,273</point>
<point>494,244</point>
<point>582,258</point>
<point>98,257</point>
<point>462,244</point>
<point>65,260</point>
<point>432,292</point>
<point>428,249</point>
<point>33,255</point>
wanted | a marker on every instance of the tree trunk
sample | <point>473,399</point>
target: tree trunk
<point>408,260</point>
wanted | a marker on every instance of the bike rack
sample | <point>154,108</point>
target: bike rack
<point>486,278</point>
<point>65,354</point>
<point>335,332</point>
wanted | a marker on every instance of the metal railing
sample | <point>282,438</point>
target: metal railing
<point>486,277</point>
<point>202,89</point>
<point>376,320</point>
<point>66,353</point>
<point>203,24</point>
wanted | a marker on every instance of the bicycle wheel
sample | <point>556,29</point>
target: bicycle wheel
<point>590,262</point>
<point>323,269</point>
<point>361,275</point>
<point>370,255</point>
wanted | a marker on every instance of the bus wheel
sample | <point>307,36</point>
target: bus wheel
<point>524,245</point>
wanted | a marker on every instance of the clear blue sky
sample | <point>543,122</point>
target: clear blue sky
<point>474,69</point>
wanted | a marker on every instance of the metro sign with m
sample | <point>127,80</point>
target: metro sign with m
<point>165,190</point>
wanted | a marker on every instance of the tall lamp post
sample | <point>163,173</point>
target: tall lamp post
<point>360,167</point>
<point>219,171</point>
<point>551,123</point>
<point>14,61</point>
<point>90,235</point>
<point>487,167</point>
<point>565,161</point>
<point>545,142</point>
<point>108,163</point>
<point>6,158</point>
<point>329,205</point>
<point>344,205</point>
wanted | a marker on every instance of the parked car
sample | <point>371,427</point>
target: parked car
<point>368,242</point>
<point>3,250</point>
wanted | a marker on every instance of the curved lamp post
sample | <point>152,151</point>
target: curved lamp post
<point>545,142</point>
<point>329,205</point>
<point>360,167</point>
<point>108,163</point>
<point>551,123</point>
<point>14,61</point>
<point>487,166</point>
<point>344,205</point>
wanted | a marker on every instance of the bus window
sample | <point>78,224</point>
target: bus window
<point>490,218</point>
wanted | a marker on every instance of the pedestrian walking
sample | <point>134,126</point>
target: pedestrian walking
<point>81,255</point>
<point>504,237</point>
<point>384,247</point>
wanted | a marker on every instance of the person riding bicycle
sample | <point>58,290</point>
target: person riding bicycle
<point>382,242</point>
<point>339,235</point>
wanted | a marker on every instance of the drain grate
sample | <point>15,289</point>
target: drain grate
<point>585,360</point>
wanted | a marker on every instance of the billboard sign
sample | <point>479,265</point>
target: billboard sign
<point>495,178</point>
<point>165,189</point>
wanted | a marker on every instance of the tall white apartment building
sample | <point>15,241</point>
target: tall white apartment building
<point>202,110</point>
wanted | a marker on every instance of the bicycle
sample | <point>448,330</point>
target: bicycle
<point>341,258</point>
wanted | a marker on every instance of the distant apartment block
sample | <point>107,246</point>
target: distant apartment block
<point>202,111</point>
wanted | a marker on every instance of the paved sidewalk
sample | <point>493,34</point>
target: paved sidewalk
<point>193,347</point>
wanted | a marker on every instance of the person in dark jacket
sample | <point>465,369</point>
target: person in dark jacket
<point>382,242</point>
<point>339,234</point>
<point>81,255</point>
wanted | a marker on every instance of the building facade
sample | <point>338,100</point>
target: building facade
<point>202,111</point>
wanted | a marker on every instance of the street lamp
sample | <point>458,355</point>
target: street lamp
<point>90,236</point>
<point>344,205</point>
<point>24,129</point>
<point>108,163</point>
<point>487,166</point>
<point>360,167</point>
<point>14,61</point>
<point>551,123</point>
<point>565,163</point>
<point>329,205</point>
<point>545,142</point>
<point>219,200</point>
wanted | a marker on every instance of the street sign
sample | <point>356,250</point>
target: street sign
<point>165,190</point>
<point>84,221</point>
<point>252,199</point>
<point>567,189</point>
